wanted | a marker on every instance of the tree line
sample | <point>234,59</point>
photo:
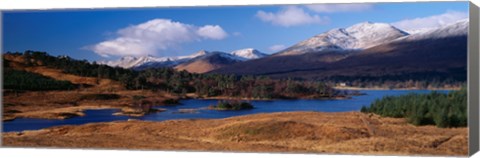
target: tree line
<point>420,80</point>
<point>435,108</point>
<point>183,82</point>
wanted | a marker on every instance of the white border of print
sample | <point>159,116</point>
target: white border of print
<point>67,4</point>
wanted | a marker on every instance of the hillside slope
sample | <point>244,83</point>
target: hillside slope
<point>17,63</point>
<point>212,61</point>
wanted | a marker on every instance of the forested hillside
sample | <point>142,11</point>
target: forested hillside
<point>182,82</point>
<point>442,110</point>
<point>22,80</point>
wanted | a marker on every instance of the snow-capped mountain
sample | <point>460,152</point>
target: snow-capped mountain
<point>206,54</point>
<point>143,61</point>
<point>131,61</point>
<point>248,54</point>
<point>357,37</point>
<point>151,61</point>
<point>367,50</point>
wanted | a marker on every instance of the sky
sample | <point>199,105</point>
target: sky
<point>108,34</point>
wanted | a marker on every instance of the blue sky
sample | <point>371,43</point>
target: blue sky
<point>107,34</point>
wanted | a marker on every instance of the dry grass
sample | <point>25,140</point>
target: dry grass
<point>351,132</point>
<point>198,67</point>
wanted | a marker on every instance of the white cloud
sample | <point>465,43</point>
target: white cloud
<point>291,16</point>
<point>331,8</point>
<point>155,36</point>
<point>277,47</point>
<point>212,32</point>
<point>124,46</point>
<point>430,21</point>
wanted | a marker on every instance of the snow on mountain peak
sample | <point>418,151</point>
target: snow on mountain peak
<point>459,28</point>
<point>369,34</point>
<point>462,26</point>
<point>248,53</point>
<point>132,61</point>
<point>358,36</point>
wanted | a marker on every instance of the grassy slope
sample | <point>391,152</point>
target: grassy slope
<point>350,132</point>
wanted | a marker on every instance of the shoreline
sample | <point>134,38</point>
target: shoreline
<point>71,112</point>
<point>61,105</point>
<point>57,114</point>
<point>271,99</point>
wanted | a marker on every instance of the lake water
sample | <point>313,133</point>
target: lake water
<point>174,112</point>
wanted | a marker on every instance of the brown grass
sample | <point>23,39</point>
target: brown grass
<point>197,67</point>
<point>306,132</point>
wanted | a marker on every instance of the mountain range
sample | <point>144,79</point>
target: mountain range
<point>437,54</point>
<point>366,50</point>
<point>210,59</point>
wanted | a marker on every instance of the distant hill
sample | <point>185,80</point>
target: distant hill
<point>208,62</point>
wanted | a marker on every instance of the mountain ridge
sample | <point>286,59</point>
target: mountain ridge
<point>440,52</point>
<point>356,37</point>
<point>149,61</point>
